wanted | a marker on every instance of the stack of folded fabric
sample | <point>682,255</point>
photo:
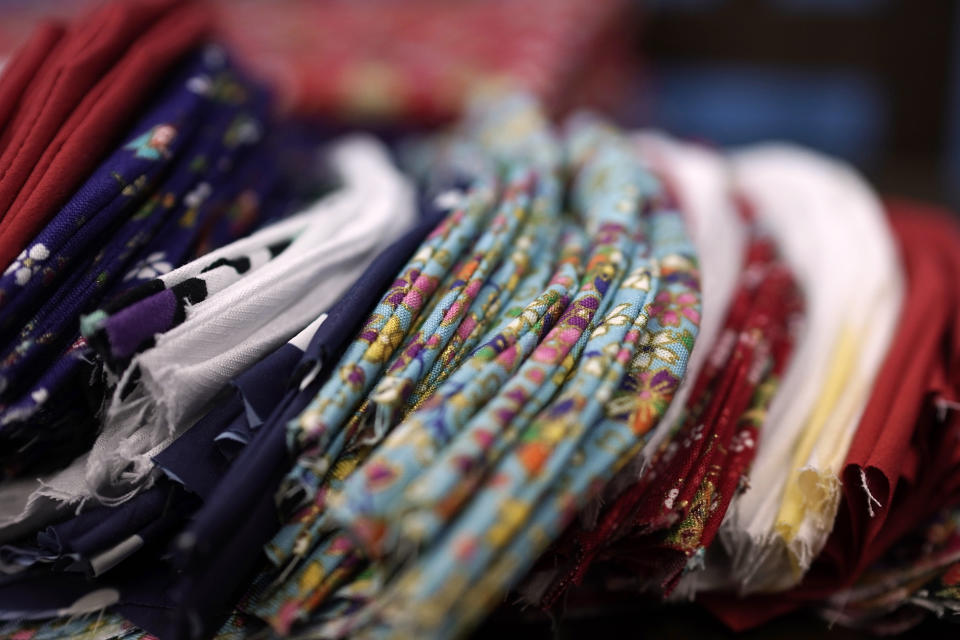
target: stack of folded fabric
<point>431,476</point>
<point>901,467</point>
<point>194,166</point>
<point>197,162</point>
<point>874,447</point>
<point>256,386</point>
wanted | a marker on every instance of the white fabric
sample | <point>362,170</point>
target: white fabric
<point>233,329</point>
<point>282,230</point>
<point>832,232</point>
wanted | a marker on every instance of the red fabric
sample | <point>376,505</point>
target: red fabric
<point>907,445</point>
<point>736,461</point>
<point>92,83</point>
<point>82,57</point>
<point>917,359</point>
<point>718,398</point>
<point>21,70</point>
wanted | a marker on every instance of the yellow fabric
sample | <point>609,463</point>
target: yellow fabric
<point>806,490</point>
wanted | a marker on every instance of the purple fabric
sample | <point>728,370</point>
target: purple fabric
<point>153,315</point>
<point>55,324</point>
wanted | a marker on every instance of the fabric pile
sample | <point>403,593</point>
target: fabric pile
<point>261,383</point>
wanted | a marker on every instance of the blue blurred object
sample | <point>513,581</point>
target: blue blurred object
<point>951,161</point>
<point>843,113</point>
<point>825,6</point>
<point>831,6</point>
<point>679,5</point>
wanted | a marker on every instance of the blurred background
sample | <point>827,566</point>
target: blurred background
<point>876,82</point>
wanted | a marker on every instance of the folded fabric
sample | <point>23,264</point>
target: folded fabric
<point>502,414</point>
<point>534,491</point>
<point>222,544</point>
<point>96,76</point>
<point>200,457</point>
<point>20,69</point>
<point>920,575</point>
<point>350,252</point>
<point>915,366</point>
<point>128,324</point>
<point>151,202</point>
<point>564,362</point>
<point>853,300</point>
<point>700,181</point>
<point>659,528</point>
<point>103,527</point>
<point>445,245</point>
<point>372,189</point>
<point>923,474</point>
<point>276,292</point>
<point>99,539</point>
<point>115,189</point>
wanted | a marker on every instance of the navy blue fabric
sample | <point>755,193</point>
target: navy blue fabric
<point>194,459</point>
<point>262,388</point>
<point>222,547</point>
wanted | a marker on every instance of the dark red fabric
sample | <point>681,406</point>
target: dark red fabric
<point>19,72</point>
<point>717,400</point>
<point>907,442</point>
<point>708,471</point>
<point>780,321</point>
<point>83,56</point>
<point>80,101</point>
<point>917,359</point>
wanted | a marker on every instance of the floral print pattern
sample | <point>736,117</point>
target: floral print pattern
<point>674,511</point>
<point>481,375</point>
<point>152,266</point>
<point>27,263</point>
